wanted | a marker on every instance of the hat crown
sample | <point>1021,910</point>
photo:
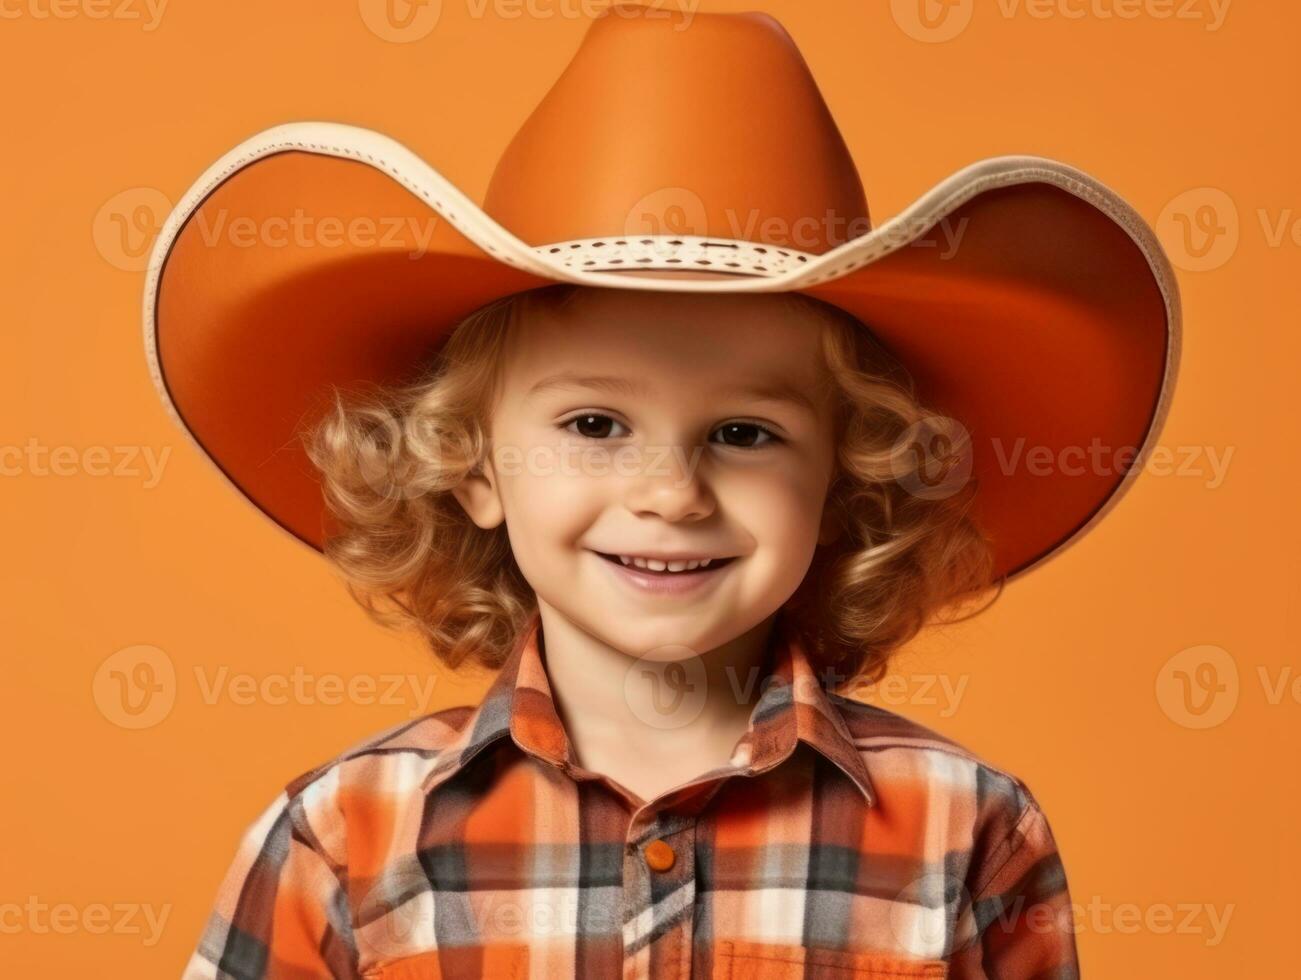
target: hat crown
<point>667,123</point>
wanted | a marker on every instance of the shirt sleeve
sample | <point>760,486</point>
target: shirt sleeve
<point>282,908</point>
<point>1020,910</point>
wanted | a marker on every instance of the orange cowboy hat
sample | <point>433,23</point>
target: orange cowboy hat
<point>1027,300</point>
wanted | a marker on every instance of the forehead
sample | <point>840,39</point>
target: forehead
<point>665,336</point>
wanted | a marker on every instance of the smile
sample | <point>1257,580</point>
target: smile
<point>664,575</point>
<point>672,566</point>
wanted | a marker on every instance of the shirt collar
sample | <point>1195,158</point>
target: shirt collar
<point>793,708</point>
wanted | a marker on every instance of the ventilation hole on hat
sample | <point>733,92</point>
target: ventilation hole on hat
<point>645,260</point>
<point>598,244</point>
<point>760,268</point>
<point>673,260</point>
<point>733,265</point>
<point>675,241</point>
<point>703,262</point>
<point>576,245</point>
<point>590,262</point>
<point>731,245</point>
<point>762,251</point>
<point>802,258</point>
<point>555,250</point>
<point>621,242</point>
<point>647,241</point>
<point>616,261</point>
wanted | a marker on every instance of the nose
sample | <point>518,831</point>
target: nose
<point>669,485</point>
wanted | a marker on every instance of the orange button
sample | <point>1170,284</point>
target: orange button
<point>659,855</point>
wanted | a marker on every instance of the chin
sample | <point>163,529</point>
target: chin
<point>667,639</point>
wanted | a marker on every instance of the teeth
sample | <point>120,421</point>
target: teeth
<point>657,565</point>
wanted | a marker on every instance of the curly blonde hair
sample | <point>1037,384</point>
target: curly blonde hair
<point>411,557</point>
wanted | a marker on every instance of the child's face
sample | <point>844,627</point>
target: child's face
<point>666,425</point>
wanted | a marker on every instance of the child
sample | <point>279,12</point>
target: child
<point>675,512</point>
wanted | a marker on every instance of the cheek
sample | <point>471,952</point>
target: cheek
<point>546,511</point>
<point>781,507</point>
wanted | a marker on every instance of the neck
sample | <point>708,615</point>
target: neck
<point>606,696</point>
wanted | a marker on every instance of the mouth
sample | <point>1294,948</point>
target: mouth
<point>666,566</point>
<point>665,576</point>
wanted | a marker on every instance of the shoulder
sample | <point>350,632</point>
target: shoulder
<point>368,780</point>
<point>963,810</point>
<point>907,760</point>
<point>401,752</point>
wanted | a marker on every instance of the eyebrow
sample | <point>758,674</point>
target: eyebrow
<point>764,391</point>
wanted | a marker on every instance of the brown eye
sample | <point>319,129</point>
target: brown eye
<point>592,426</point>
<point>744,435</point>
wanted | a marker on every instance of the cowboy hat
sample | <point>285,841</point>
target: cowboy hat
<point>1027,300</point>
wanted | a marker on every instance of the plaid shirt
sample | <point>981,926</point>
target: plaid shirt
<point>840,841</point>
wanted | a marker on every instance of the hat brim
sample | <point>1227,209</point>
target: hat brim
<point>318,255</point>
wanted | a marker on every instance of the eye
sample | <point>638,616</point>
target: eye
<point>594,426</point>
<point>743,435</point>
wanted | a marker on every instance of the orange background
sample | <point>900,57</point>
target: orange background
<point>1068,679</point>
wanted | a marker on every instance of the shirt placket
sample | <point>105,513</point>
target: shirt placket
<point>659,886</point>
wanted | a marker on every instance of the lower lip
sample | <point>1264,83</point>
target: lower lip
<point>664,583</point>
